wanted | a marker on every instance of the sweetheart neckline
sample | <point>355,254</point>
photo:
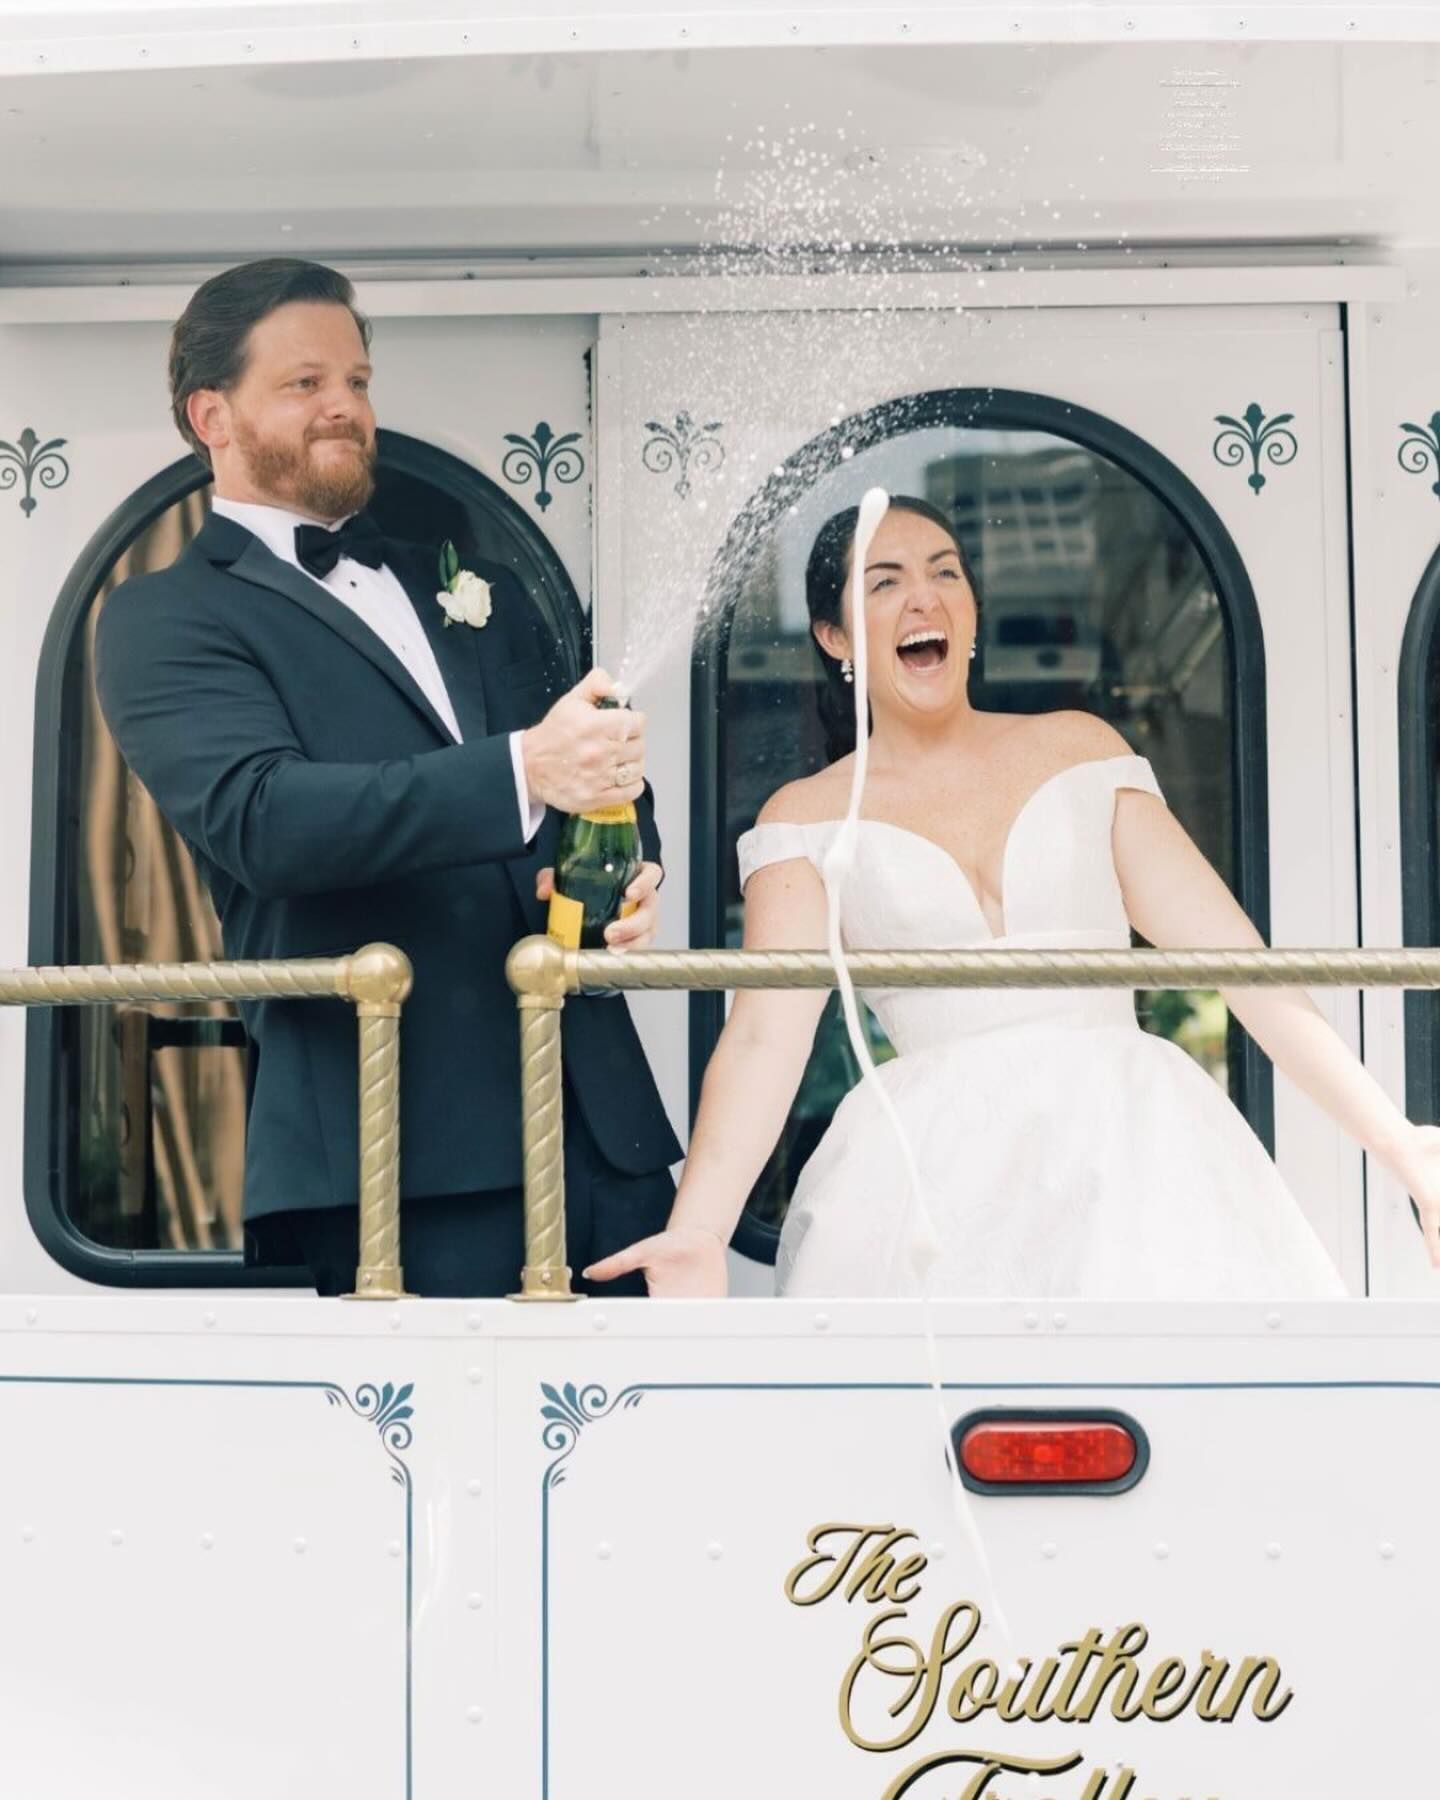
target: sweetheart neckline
<point>919,837</point>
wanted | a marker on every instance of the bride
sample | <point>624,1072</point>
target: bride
<point>1061,1149</point>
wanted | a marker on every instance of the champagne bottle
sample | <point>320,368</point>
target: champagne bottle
<point>598,858</point>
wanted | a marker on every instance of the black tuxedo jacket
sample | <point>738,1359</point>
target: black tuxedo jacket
<point>327,806</point>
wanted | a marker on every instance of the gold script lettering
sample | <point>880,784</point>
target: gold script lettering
<point>875,1576</point>
<point>924,1670</point>
<point>1267,1671</point>
<point>991,1762</point>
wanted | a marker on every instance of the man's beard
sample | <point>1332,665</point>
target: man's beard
<point>287,472</point>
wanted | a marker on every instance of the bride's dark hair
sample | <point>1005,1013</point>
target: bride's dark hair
<point>826,573</point>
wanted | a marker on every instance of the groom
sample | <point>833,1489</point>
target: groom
<point>346,767</point>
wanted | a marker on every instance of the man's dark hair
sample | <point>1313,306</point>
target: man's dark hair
<point>210,342</point>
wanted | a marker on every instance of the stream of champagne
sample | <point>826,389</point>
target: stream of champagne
<point>917,1239</point>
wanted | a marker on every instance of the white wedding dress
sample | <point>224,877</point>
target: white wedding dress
<point>1062,1150</point>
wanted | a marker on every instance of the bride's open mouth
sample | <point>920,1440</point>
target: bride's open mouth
<point>922,652</point>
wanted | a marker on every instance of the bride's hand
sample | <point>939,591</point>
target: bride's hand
<point>1418,1166</point>
<point>685,1262</point>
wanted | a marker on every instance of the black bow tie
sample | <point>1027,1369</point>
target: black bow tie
<point>318,548</point>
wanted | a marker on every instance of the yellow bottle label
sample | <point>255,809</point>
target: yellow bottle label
<point>567,920</point>
<point>611,815</point>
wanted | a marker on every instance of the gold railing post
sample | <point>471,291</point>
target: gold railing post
<point>540,971</point>
<point>378,979</point>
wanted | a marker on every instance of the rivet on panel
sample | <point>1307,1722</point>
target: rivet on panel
<point>209,1321</point>
<point>28,1533</point>
<point>1273,1552</point>
<point>474,1489</point>
<point>714,1551</point>
<point>474,1322</point>
<point>301,1546</point>
<point>474,1602</point>
<point>395,1320</point>
<point>474,1714</point>
<point>31,1315</point>
<point>1162,1551</point>
<point>1272,1321</point>
<point>474,1376</point>
<point>394,1547</point>
<point>1032,1320</point>
<point>1059,1320</point>
<point>604,1552</point>
<point>822,1321</point>
<point>207,1540</point>
<point>599,1322</point>
<point>117,1538</point>
<point>1387,1552</point>
<point>937,1551</point>
<point>1049,1551</point>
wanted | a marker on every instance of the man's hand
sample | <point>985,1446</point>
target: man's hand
<point>582,756</point>
<point>637,932</point>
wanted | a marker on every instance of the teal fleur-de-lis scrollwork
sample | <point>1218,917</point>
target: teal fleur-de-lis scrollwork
<point>567,1411</point>
<point>683,445</point>
<point>540,456</point>
<point>389,1410</point>
<point>1420,448</point>
<point>1258,438</point>
<point>34,463</point>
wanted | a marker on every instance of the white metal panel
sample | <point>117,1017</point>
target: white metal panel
<point>403,138</point>
<point>690,1472</point>
<point>120,34</point>
<point>554,1566</point>
<point>778,382</point>
<point>1396,527</point>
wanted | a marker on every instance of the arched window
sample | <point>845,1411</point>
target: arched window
<point>1419,714</point>
<point>1108,584</point>
<point>135,1116</point>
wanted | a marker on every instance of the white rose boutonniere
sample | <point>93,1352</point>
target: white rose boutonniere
<point>464,595</point>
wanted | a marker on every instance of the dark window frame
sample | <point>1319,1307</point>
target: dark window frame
<point>1419,736</point>
<point>998,409</point>
<point>48,1180</point>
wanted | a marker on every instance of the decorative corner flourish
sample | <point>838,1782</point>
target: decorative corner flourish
<point>35,463</point>
<point>1256,437</point>
<point>540,455</point>
<point>389,1410</point>
<point>568,1410</point>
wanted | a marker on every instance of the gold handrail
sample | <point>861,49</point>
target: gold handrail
<point>542,974</point>
<point>376,980</point>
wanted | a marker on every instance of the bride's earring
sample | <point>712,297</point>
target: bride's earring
<point>973,649</point>
<point>847,669</point>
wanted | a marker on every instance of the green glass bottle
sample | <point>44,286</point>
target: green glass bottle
<point>598,858</point>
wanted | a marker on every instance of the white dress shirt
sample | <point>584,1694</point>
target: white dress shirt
<point>378,600</point>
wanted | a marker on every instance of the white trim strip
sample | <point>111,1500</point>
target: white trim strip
<point>70,39</point>
<point>532,297</point>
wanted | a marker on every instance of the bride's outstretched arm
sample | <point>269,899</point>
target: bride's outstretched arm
<point>750,1082</point>
<point>1176,900</point>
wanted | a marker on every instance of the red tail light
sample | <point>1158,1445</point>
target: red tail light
<point>1013,1452</point>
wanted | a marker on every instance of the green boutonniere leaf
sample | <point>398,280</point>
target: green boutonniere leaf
<point>449,563</point>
